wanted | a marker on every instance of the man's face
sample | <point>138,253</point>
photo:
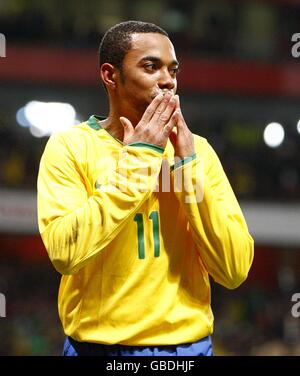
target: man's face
<point>149,67</point>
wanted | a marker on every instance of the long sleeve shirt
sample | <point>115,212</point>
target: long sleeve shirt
<point>136,237</point>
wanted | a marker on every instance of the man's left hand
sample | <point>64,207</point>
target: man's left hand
<point>181,137</point>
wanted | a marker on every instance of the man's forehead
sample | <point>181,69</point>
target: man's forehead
<point>149,43</point>
<point>151,37</point>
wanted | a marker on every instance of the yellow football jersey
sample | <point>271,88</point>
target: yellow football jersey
<point>136,238</point>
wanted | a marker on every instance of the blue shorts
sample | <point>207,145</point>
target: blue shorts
<point>199,348</point>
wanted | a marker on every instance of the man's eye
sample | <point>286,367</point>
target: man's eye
<point>174,71</point>
<point>150,67</point>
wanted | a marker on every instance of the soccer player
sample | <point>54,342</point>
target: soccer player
<point>137,214</point>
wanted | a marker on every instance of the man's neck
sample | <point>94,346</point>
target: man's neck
<point>114,127</point>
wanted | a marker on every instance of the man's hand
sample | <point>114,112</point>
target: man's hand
<point>156,123</point>
<point>181,137</point>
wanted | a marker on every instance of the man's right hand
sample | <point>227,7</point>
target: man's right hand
<point>156,123</point>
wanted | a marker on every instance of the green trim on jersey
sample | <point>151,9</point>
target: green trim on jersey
<point>183,161</point>
<point>146,145</point>
<point>93,123</point>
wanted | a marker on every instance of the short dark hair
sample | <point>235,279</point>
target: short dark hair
<point>116,42</point>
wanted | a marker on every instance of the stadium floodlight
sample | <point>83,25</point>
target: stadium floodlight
<point>274,135</point>
<point>46,118</point>
<point>298,126</point>
<point>2,45</point>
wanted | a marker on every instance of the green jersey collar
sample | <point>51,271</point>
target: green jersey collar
<point>93,122</point>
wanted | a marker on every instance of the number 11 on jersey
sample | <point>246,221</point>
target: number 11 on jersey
<point>141,236</point>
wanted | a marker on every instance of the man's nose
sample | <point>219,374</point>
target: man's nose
<point>166,81</point>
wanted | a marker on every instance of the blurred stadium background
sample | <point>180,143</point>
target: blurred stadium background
<point>238,77</point>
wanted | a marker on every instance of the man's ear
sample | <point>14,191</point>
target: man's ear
<point>109,75</point>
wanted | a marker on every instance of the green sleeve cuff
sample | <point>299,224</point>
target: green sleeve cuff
<point>183,161</point>
<point>149,146</point>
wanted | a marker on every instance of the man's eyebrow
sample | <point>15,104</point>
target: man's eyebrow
<point>156,59</point>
